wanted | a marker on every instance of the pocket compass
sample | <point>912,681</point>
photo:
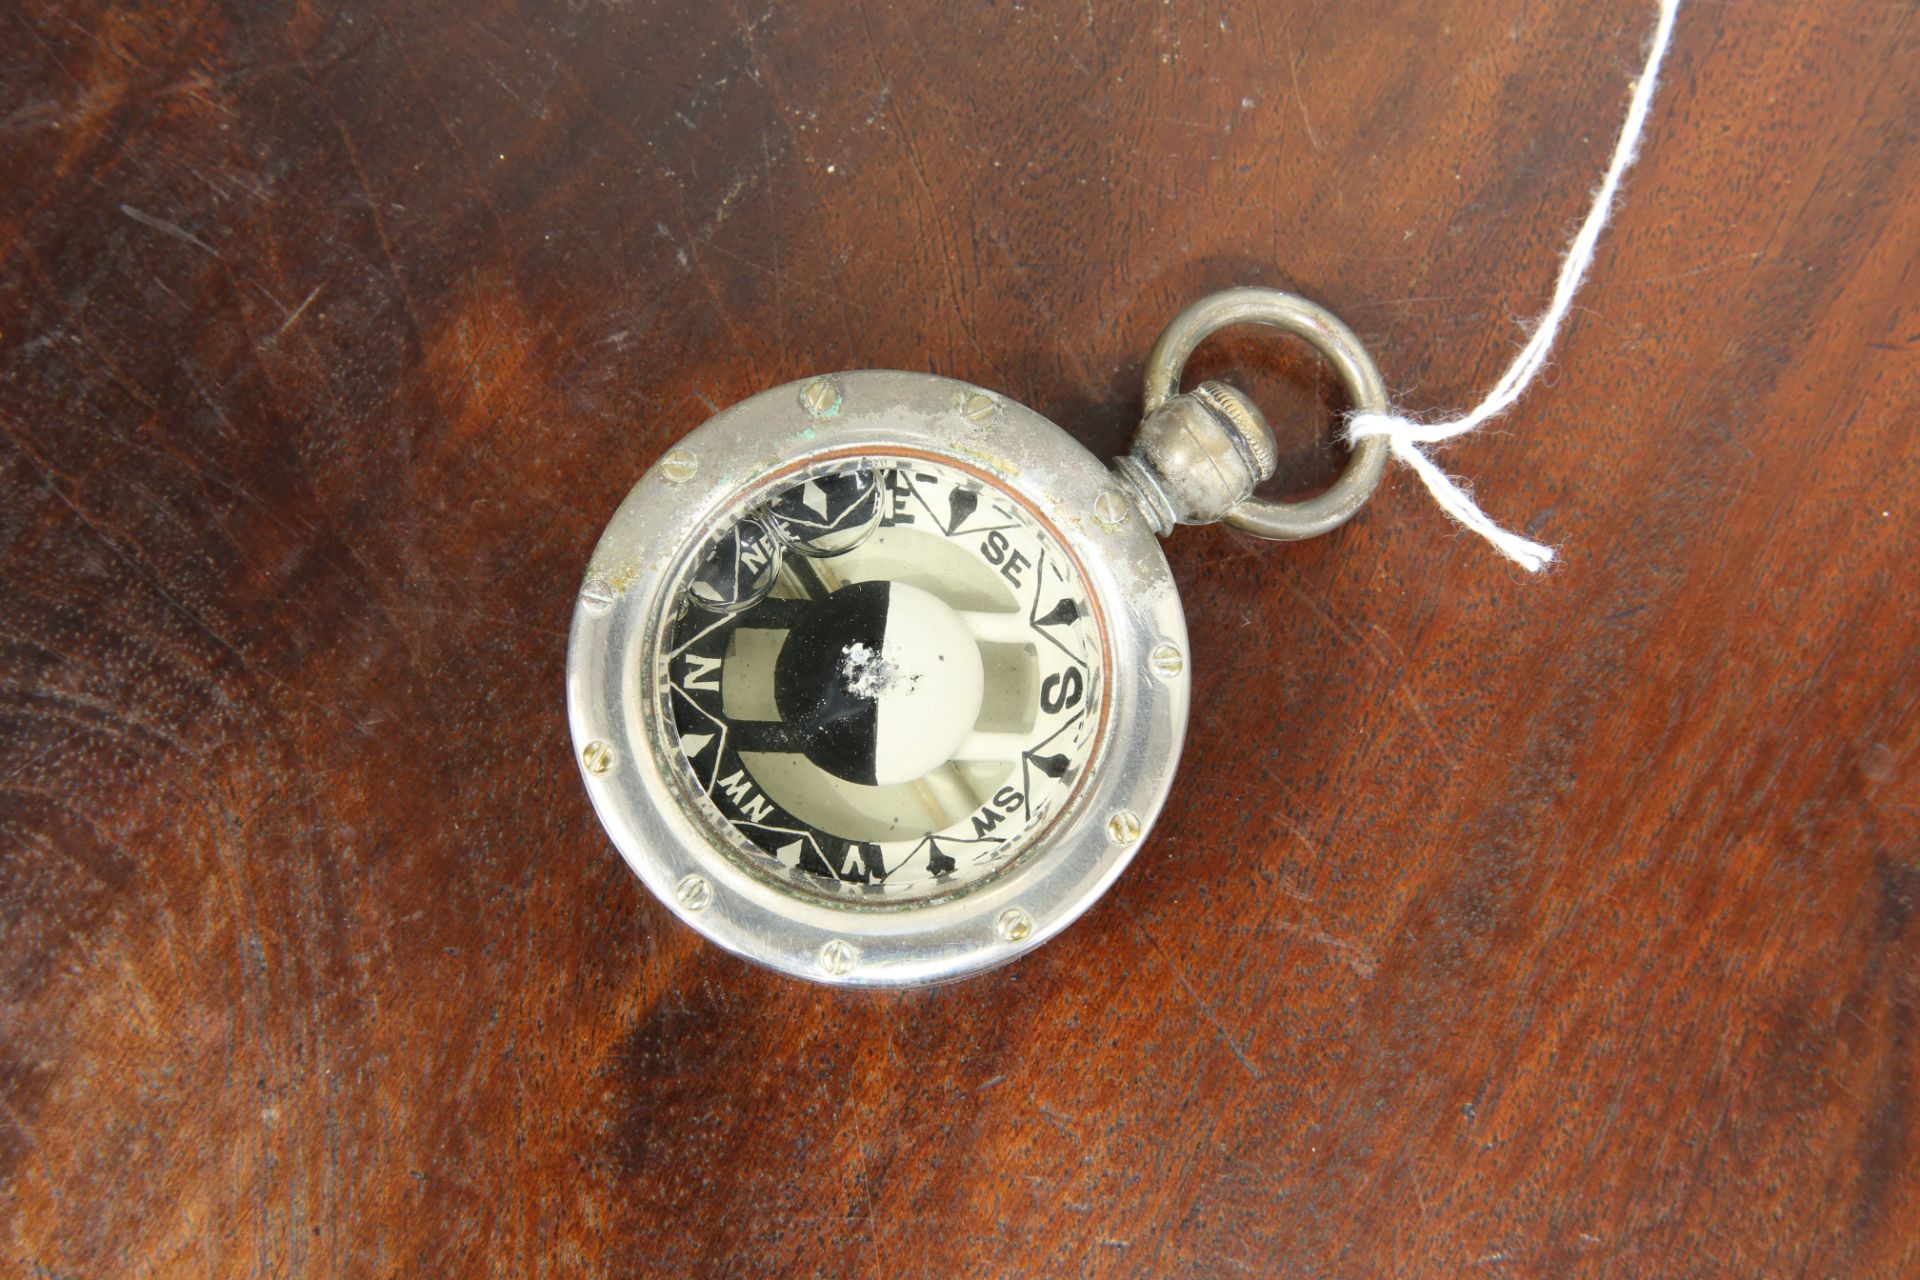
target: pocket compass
<point>880,678</point>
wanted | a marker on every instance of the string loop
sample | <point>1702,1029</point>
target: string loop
<point>1405,435</point>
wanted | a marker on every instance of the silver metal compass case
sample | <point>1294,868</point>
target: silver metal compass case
<point>650,798</point>
<point>881,679</point>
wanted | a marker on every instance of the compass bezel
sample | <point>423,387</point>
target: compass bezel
<point>632,767</point>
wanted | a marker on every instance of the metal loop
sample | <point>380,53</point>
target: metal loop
<point>1283,521</point>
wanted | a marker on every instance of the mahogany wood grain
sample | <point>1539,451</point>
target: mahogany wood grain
<point>1558,927</point>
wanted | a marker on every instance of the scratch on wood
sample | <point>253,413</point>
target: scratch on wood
<point>166,228</point>
<point>1293,65</point>
<point>1354,955</point>
<point>1205,1010</point>
<point>300,310</point>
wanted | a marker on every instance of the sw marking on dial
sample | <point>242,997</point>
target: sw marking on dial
<point>912,696</point>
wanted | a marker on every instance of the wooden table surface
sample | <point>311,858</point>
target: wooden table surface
<point>1497,925</point>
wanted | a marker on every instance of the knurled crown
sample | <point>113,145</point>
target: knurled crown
<point>1198,456</point>
<point>1247,426</point>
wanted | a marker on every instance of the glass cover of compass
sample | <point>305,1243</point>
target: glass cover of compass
<point>878,679</point>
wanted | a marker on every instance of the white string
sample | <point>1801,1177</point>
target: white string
<point>1405,435</point>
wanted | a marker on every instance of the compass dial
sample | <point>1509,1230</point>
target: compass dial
<point>886,679</point>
